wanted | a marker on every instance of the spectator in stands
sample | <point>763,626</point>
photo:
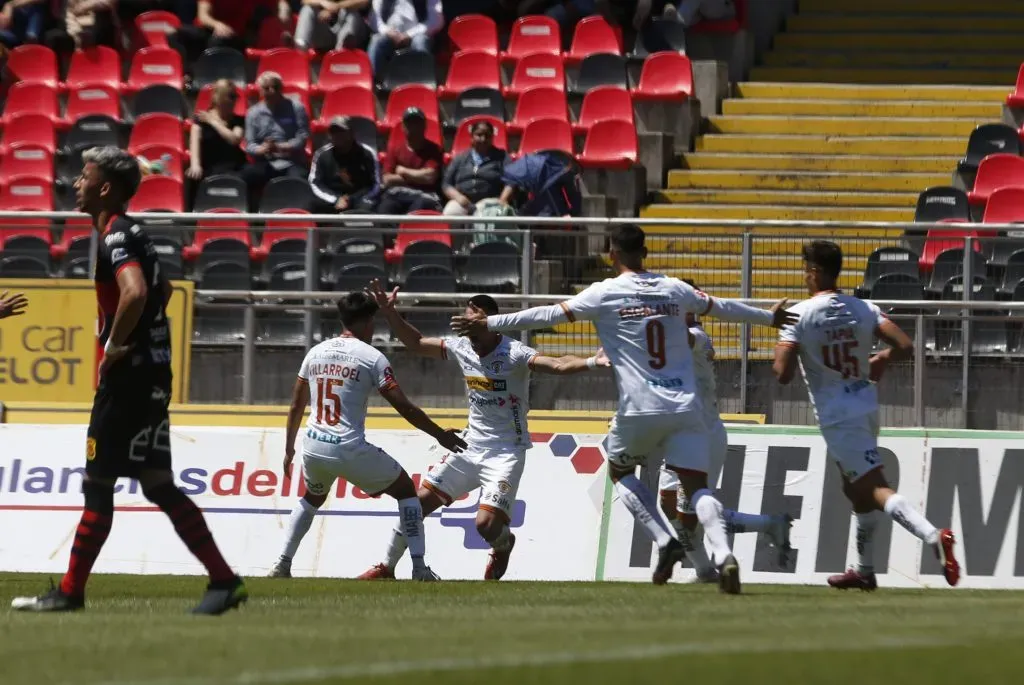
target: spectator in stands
<point>690,12</point>
<point>21,21</point>
<point>326,24</point>
<point>84,23</point>
<point>402,24</point>
<point>412,169</point>
<point>475,174</point>
<point>230,23</point>
<point>214,142</point>
<point>276,131</point>
<point>565,12</point>
<point>345,176</point>
<point>633,13</point>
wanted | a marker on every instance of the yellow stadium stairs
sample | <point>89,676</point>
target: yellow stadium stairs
<point>860,106</point>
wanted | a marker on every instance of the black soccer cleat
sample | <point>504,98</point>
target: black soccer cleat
<point>52,602</point>
<point>668,556</point>
<point>222,597</point>
<point>729,576</point>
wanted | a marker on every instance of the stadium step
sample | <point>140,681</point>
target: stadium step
<point>763,244</point>
<point>843,22</point>
<point>863,108</point>
<point>879,75</point>
<point>851,91</point>
<point>778,213</point>
<point>832,145</point>
<point>804,180</point>
<point>795,198</point>
<point>953,41</point>
<point>819,162</point>
<point>698,260</point>
<point>845,126</point>
<point>930,60</point>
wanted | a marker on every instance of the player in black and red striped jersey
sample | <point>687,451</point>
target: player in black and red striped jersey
<point>129,429</point>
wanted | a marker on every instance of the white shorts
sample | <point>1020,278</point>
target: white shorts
<point>497,471</point>
<point>365,466</point>
<point>679,440</point>
<point>853,444</point>
<point>718,447</point>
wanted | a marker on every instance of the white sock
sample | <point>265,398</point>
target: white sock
<point>910,518</point>
<point>709,513</point>
<point>500,543</point>
<point>410,520</point>
<point>693,545</point>
<point>396,549</point>
<point>866,524</point>
<point>640,502</point>
<point>299,522</point>
<point>738,522</point>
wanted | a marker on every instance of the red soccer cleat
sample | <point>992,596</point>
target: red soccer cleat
<point>853,579</point>
<point>497,564</point>
<point>378,572</point>
<point>944,550</point>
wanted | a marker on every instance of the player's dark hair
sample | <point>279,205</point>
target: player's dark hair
<point>689,282</point>
<point>825,256</point>
<point>118,167</point>
<point>356,307</point>
<point>484,303</point>
<point>628,239</point>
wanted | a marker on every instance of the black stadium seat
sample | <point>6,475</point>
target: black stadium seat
<point>159,99</point>
<point>285,326</point>
<point>602,69</point>
<point>660,35</point>
<point>1013,274</point>
<point>896,286</point>
<point>942,203</point>
<point>887,260</point>
<point>430,278</point>
<point>218,63</point>
<point>408,66</point>
<point>353,277</point>
<point>479,101</point>
<point>493,265</point>
<point>949,264</point>
<point>988,336</point>
<point>221,191</point>
<point>425,253</point>
<point>988,139</point>
<point>286,193</point>
<point>222,324</point>
<point>23,266</point>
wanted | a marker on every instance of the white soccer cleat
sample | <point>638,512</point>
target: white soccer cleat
<point>424,573</point>
<point>778,536</point>
<point>282,569</point>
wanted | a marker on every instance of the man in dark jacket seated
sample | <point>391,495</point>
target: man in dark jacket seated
<point>345,176</point>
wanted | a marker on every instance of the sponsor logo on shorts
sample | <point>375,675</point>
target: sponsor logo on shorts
<point>90,449</point>
<point>486,384</point>
<point>323,437</point>
<point>665,382</point>
<point>495,500</point>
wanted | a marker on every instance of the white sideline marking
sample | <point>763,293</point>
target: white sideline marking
<point>484,662</point>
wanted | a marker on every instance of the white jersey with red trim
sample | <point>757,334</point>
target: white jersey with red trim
<point>342,372</point>
<point>497,389</point>
<point>704,372</point>
<point>641,321</point>
<point>835,334</point>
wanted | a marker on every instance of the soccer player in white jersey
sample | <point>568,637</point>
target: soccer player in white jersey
<point>677,509</point>
<point>640,320</point>
<point>335,380</point>
<point>497,373</point>
<point>832,342</point>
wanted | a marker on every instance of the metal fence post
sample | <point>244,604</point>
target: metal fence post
<point>965,324</point>
<point>919,364</point>
<point>248,352</point>
<point>526,276</point>
<point>747,265</point>
<point>312,283</point>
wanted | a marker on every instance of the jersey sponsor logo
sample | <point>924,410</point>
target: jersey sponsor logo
<point>644,311</point>
<point>481,384</point>
<point>113,239</point>
<point>90,449</point>
<point>478,401</point>
<point>665,382</point>
<point>118,253</point>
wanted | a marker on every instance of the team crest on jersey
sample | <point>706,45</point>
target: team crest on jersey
<point>496,366</point>
<point>90,449</point>
<point>486,384</point>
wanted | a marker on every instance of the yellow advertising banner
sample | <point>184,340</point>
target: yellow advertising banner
<point>49,353</point>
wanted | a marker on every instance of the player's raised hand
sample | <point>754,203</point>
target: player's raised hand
<point>452,441</point>
<point>13,305</point>
<point>781,316</point>
<point>474,324</point>
<point>382,297</point>
<point>602,359</point>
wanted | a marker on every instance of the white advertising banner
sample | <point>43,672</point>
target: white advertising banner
<point>568,524</point>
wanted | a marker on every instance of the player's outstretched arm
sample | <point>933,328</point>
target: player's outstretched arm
<point>900,347</point>
<point>300,398</point>
<point>448,438</point>
<point>12,305</point>
<point>413,340</point>
<point>569,364</point>
<point>734,310</point>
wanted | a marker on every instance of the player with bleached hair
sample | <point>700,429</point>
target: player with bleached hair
<point>832,342</point>
<point>640,320</point>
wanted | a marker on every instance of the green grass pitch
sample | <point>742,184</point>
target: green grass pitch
<point>136,631</point>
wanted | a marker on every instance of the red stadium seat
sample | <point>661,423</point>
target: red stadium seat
<point>537,70</point>
<point>206,95</point>
<point>28,96</point>
<point>410,232</point>
<point>539,102</point>
<point>594,35</point>
<point>268,38</point>
<point>473,32</point>
<point>220,229</point>
<point>158,193</point>
<point>344,68</point>
<point>471,70</point>
<point>604,103</point>
<point>30,128</point>
<point>1005,206</point>
<point>996,171</point>
<point>175,158</point>
<point>937,242</point>
<point>98,65</point>
<point>1016,98</point>
<point>155,66</point>
<point>463,137</point>
<point>26,194</point>
<point>26,159</point>
<point>724,25</point>
<point>534,34</point>
<point>611,144</point>
<point>292,65</point>
<point>97,98</point>
<point>156,129</point>
<point>410,95</point>
<point>152,28</point>
<point>279,231</point>
<point>665,76</point>
<point>353,101</point>
<point>32,64</point>
<point>546,134</point>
